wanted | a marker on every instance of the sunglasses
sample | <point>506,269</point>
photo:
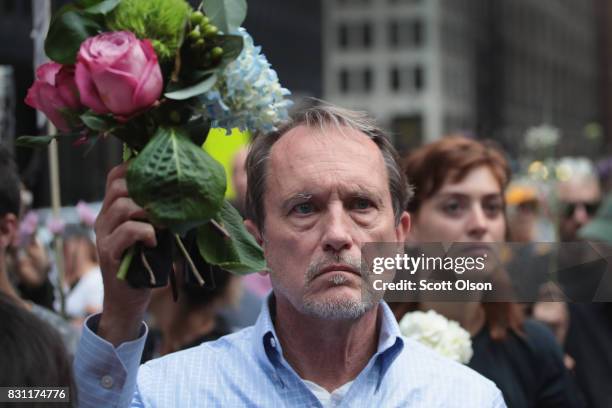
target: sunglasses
<point>570,208</point>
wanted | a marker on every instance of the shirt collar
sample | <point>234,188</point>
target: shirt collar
<point>268,350</point>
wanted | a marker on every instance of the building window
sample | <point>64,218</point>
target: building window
<point>366,35</point>
<point>395,79</point>
<point>343,36</point>
<point>367,79</point>
<point>355,35</point>
<point>356,80</point>
<point>406,33</point>
<point>406,79</point>
<point>417,32</point>
<point>344,81</point>
<point>419,81</point>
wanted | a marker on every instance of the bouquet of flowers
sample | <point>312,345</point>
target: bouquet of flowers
<point>437,332</point>
<point>158,75</point>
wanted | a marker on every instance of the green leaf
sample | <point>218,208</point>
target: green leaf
<point>34,141</point>
<point>227,15</point>
<point>68,29</point>
<point>103,7</point>
<point>176,182</point>
<point>239,253</point>
<point>232,47</point>
<point>192,90</point>
<point>96,122</point>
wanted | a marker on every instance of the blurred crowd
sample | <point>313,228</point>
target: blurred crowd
<point>544,354</point>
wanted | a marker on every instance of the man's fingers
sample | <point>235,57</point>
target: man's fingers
<point>117,188</point>
<point>115,173</point>
<point>123,237</point>
<point>121,210</point>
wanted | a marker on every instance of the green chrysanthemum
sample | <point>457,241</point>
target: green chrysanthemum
<point>161,21</point>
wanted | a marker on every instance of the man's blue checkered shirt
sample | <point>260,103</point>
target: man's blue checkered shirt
<point>247,369</point>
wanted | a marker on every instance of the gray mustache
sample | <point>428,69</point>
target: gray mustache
<point>315,268</point>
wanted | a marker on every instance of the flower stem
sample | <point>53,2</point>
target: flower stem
<point>125,264</point>
<point>195,271</point>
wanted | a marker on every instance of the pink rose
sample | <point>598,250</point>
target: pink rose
<point>56,225</point>
<point>118,73</point>
<point>86,214</point>
<point>54,93</point>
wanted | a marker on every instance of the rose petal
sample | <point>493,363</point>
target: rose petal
<point>87,88</point>
<point>66,87</point>
<point>115,90</point>
<point>51,105</point>
<point>150,87</point>
<point>47,72</point>
<point>105,49</point>
<point>133,61</point>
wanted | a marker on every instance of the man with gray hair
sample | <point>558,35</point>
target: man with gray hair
<point>579,195</point>
<point>319,188</point>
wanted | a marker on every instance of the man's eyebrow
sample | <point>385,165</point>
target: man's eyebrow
<point>296,198</point>
<point>447,194</point>
<point>364,192</point>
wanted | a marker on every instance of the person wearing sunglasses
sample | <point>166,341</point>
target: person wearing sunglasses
<point>579,198</point>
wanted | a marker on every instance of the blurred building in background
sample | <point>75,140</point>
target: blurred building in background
<point>489,68</point>
<point>604,10</point>
<point>545,69</point>
<point>289,33</point>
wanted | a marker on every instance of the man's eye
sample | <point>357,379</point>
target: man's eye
<point>361,204</point>
<point>304,208</point>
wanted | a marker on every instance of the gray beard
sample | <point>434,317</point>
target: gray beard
<point>339,309</point>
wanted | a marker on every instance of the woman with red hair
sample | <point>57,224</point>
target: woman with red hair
<point>459,197</point>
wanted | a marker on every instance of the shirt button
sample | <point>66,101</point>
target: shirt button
<point>273,342</point>
<point>107,381</point>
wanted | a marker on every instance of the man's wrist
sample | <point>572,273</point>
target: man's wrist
<point>118,329</point>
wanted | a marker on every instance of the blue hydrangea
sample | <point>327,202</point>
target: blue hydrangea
<point>249,95</point>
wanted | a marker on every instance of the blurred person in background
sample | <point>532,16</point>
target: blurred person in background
<point>83,280</point>
<point>255,286</point>
<point>195,316</point>
<point>33,354</point>
<point>28,261</point>
<point>459,197</point>
<point>239,178</point>
<point>579,197</point>
<point>9,226</point>
<point>589,337</point>
<point>522,212</point>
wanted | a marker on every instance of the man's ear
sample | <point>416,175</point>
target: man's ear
<point>256,233</point>
<point>252,228</point>
<point>8,230</point>
<point>403,227</point>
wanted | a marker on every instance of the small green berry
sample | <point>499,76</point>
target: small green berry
<point>216,52</point>
<point>195,34</point>
<point>197,17</point>
<point>211,31</point>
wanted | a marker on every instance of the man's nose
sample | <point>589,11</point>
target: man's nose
<point>337,230</point>
<point>477,223</point>
<point>580,215</point>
